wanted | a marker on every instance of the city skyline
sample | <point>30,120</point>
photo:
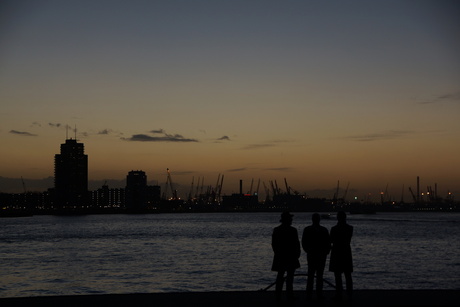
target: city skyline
<point>416,189</point>
<point>364,93</point>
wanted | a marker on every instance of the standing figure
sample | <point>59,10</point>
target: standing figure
<point>341,259</point>
<point>317,244</point>
<point>286,246</point>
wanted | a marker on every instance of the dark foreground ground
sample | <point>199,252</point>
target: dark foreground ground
<point>246,298</point>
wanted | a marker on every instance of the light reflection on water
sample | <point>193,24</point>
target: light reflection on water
<point>54,255</point>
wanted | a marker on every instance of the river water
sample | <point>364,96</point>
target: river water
<point>101,254</point>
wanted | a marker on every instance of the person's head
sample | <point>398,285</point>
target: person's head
<point>315,218</point>
<point>286,218</point>
<point>341,217</point>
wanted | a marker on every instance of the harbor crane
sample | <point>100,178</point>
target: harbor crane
<point>191,189</point>
<point>252,184</point>
<point>170,184</point>
<point>336,194</point>
<point>413,195</point>
<point>267,192</point>
<point>218,189</point>
<point>258,185</point>
<point>288,189</point>
<point>23,185</point>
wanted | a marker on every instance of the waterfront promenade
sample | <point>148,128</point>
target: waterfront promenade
<point>363,298</point>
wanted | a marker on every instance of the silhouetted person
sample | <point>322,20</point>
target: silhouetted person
<point>317,244</point>
<point>341,260</point>
<point>286,246</point>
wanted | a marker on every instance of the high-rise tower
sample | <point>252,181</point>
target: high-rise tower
<point>71,175</point>
<point>136,190</point>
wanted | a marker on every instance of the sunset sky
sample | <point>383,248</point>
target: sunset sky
<point>365,92</point>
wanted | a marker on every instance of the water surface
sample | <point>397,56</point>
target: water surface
<point>65,255</point>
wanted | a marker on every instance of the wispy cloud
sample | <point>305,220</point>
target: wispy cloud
<point>279,169</point>
<point>234,170</point>
<point>35,124</point>
<point>257,146</point>
<point>163,138</point>
<point>180,173</point>
<point>158,131</point>
<point>386,135</point>
<point>283,141</point>
<point>450,97</point>
<point>24,133</point>
<point>56,125</point>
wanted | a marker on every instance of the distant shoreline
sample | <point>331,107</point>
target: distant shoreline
<point>359,209</point>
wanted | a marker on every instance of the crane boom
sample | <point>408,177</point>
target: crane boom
<point>345,193</point>
<point>288,190</point>
<point>169,180</point>
<point>413,196</point>
<point>23,185</point>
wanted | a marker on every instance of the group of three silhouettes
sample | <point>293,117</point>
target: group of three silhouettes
<point>317,243</point>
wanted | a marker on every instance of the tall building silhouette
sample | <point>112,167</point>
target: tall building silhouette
<point>71,175</point>
<point>136,189</point>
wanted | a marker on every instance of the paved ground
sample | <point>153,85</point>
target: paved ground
<point>242,299</point>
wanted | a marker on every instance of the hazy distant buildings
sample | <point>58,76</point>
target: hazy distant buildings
<point>108,198</point>
<point>71,176</point>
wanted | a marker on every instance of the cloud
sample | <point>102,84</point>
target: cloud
<point>111,132</point>
<point>257,146</point>
<point>105,131</point>
<point>283,141</point>
<point>280,169</point>
<point>180,173</point>
<point>164,138</point>
<point>237,170</point>
<point>159,131</point>
<point>35,124</point>
<point>386,135</point>
<point>224,138</point>
<point>57,125</point>
<point>22,133</point>
<point>450,97</point>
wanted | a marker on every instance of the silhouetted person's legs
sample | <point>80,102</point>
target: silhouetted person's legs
<point>319,277</point>
<point>310,279</point>
<point>338,285</point>
<point>290,284</point>
<point>279,283</point>
<point>349,282</point>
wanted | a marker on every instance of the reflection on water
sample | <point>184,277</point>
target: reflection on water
<point>51,255</point>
